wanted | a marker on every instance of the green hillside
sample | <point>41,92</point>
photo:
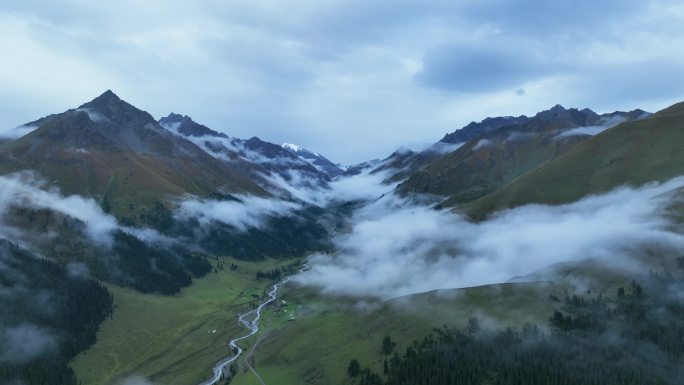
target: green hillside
<point>109,150</point>
<point>632,153</point>
<point>311,338</point>
<point>478,168</point>
<point>494,154</point>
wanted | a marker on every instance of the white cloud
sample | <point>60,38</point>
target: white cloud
<point>16,132</point>
<point>25,190</point>
<point>249,212</point>
<point>22,343</point>
<point>396,248</point>
<point>594,130</point>
<point>363,186</point>
<point>482,143</point>
<point>340,76</point>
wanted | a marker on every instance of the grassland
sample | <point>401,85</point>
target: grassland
<point>305,337</point>
<point>172,339</point>
<point>629,154</point>
<point>310,339</point>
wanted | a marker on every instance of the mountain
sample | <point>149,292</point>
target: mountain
<point>185,126</point>
<point>259,159</point>
<point>110,150</point>
<point>317,160</point>
<point>631,153</point>
<point>358,168</point>
<point>498,154</point>
<point>405,162</point>
<point>477,129</point>
<point>557,115</point>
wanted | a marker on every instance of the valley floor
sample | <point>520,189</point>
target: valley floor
<point>305,337</point>
<point>313,342</point>
<point>172,339</point>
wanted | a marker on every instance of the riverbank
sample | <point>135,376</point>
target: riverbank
<point>173,339</point>
<point>249,320</point>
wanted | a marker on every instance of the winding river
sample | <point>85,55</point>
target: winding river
<point>253,327</point>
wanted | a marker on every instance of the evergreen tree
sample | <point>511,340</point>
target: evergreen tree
<point>354,368</point>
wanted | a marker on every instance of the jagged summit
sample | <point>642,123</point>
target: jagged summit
<point>107,147</point>
<point>559,112</point>
<point>183,124</point>
<point>107,100</point>
<point>317,160</point>
<point>565,117</point>
<point>109,108</point>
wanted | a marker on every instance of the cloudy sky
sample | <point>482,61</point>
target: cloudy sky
<point>351,79</point>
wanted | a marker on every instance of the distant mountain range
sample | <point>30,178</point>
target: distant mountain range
<point>144,171</point>
<point>487,155</point>
<point>317,160</point>
<point>121,156</point>
<point>632,153</point>
<point>125,159</point>
<point>109,150</point>
<point>259,159</point>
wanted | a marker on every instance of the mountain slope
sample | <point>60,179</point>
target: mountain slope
<point>500,153</point>
<point>185,126</point>
<point>317,160</point>
<point>118,154</point>
<point>404,162</point>
<point>632,153</point>
<point>254,157</point>
<point>476,129</point>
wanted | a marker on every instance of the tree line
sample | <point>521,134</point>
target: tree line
<point>637,337</point>
<point>55,311</point>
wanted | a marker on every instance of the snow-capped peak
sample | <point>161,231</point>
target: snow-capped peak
<point>292,147</point>
<point>298,149</point>
<point>315,159</point>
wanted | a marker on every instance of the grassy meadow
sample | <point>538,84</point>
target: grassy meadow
<point>172,339</point>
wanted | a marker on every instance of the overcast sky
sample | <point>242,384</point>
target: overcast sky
<point>351,79</point>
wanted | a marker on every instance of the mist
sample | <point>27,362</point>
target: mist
<point>244,213</point>
<point>22,343</point>
<point>594,130</point>
<point>16,132</point>
<point>25,189</point>
<point>398,248</point>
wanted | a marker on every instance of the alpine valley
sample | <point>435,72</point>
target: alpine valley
<point>542,249</point>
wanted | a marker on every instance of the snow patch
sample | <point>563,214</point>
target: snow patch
<point>292,147</point>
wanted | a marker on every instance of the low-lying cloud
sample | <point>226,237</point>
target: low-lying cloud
<point>594,130</point>
<point>24,189</point>
<point>16,132</point>
<point>248,212</point>
<point>28,190</point>
<point>362,186</point>
<point>23,343</point>
<point>396,248</point>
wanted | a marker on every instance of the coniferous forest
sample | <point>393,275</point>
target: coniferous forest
<point>49,314</point>
<point>636,337</point>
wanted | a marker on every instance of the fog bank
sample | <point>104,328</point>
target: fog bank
<point>397,248</point>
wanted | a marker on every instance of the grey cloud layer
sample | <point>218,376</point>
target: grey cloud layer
<point>26,190</point>
<point>397,248</point>
<point>352,79</point>
<point>250,212</point>
<point>22,343</point>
